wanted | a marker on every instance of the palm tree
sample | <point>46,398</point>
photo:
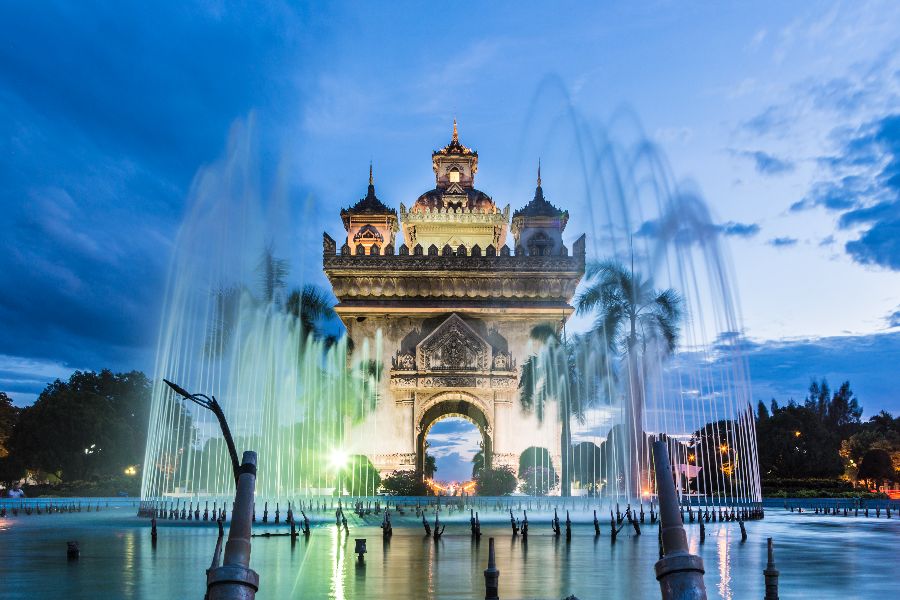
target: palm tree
<point>478,461</point>
<point>564,371</point>
<point>313,308</point>
<point>632,318</point>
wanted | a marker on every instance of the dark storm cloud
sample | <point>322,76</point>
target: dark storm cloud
<point>107,113</point>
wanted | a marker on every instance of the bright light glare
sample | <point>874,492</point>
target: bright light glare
<point>338,459</point>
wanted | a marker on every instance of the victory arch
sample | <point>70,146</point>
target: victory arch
<point>451,307</point>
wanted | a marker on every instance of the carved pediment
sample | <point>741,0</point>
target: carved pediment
<point>453,346</point>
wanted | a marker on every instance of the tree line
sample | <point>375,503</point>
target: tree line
<point>824,438</point>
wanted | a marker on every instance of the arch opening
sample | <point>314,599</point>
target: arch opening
<point>457,409</point>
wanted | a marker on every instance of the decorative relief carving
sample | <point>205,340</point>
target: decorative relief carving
<point>453,381</point>
<point>502,361</point>
<point>503,382</point>
<point>406,362</point>
<point>453,346</point>
<point>403,382</point>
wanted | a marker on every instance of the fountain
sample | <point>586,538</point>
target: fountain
<point>650,351</point>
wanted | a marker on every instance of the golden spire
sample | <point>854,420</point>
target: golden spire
<point>371,181</point>
<point>455,132</point>
<point>539,172</point>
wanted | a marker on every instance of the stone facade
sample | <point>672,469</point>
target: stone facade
<point>451,324</point>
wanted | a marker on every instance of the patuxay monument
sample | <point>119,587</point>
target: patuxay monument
<point>451,307</point>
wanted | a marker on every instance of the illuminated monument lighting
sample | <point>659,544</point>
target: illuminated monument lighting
<point>453,308</point>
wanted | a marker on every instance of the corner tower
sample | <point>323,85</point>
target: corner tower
<point>538,226</point>
<point>371,226</point>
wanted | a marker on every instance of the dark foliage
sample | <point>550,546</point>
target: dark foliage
<point>500,481</point>
<point>404,483</point>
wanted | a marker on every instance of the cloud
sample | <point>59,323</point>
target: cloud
<point>744,230</point>
<point>865,189</point>
<point>893,319</point>
<point>783,369</point>
<point>783,242</point>
<point>879,245</point>
<point>835,196</point>
<point>453,442</point>
<point>766,164</point>
<point>773,119</point>
<point>687,231</point>
<point>100,150</point>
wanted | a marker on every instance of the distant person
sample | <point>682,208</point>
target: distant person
<point>16,491</point>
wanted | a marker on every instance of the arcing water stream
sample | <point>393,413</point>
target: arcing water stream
<point>654,350</point>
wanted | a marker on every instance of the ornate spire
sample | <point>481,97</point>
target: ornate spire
<point>539,172</point>
<point>372,181</point>
<point>455,133</point>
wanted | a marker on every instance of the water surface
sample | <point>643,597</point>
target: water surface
<point>837,557</point>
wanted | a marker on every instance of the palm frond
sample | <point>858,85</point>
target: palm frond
<point>544,333</point>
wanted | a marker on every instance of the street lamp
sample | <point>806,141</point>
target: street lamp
<point>211,403</point>
<point>338,460</point>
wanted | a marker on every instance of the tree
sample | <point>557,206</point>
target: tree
<point>361,478</point>
<point>314,309</point>
<point>538,481</point>
<point>92,424</point>
<point>478,461</point>
<point>404,483</point>
<point>876,467</point>
<point>568,372</point>
<point>430,462</point>
<point>499,481</point>
<point>8,416</point>
<point>272,272</point>
<point>536,471</point>
<point>588,468</point>
<point>634,319</point>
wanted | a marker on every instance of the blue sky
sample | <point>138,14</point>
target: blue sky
<point>785,116</point>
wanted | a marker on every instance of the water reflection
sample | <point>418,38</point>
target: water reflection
<point>337,574</point>
<point>724,563</point>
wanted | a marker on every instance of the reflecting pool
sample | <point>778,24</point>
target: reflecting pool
<point>818,556</point>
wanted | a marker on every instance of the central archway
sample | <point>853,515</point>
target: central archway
<point>453,405</point>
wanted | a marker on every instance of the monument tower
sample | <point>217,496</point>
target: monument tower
<point>451,307</point>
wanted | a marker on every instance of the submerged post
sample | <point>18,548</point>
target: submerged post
<point>680,574</point>
<point>771,574</point>
<point>491,575</point>
<point>235,580</point>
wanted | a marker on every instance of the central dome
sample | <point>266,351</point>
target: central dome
<point>454,213</point>
<point>465,199</point>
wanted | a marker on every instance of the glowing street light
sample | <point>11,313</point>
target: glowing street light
<point>131,470</point>
<point>338,459</point>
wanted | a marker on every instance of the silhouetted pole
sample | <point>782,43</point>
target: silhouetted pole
<point>235,580</point>
<point>771,574</point>
<point>212,404</point>
<point>680,573</point>
<point>491,575</point>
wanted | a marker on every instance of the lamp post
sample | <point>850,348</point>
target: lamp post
<point>210,403</point>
